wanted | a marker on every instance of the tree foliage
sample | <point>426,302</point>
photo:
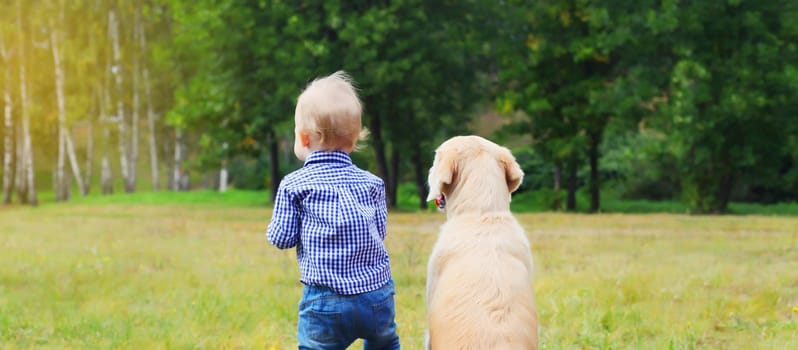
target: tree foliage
<point>730,97</point>
<point>654,99</point>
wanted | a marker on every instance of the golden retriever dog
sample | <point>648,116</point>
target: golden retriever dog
<point>479,276</point>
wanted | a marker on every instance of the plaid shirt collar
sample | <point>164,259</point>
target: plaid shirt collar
<point>318,157</point>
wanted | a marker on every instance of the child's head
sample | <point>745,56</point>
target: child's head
<point>327,116</point>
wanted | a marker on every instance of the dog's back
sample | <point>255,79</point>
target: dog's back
<point>483,294</point>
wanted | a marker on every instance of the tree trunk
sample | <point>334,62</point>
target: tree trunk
<point>725,186</point>
<point>58,191</point>
<point>557,205</point>
<point>570,201</point>
<point>8,131</point>
<point>185,184</point>
<point>170,163</point>
<point>59,184</point>
<point>89,156</point>
<point>68,187</point>
<point>106,174</point>
<point>27,142</point>
<point>20,180</point>
<point>153,147</point>
<point>274,161</point>
<point>134,124</point>
<point>145,75</point>
<point>116,70</point>
<point>178,162</point>
<point>30,187</point>
<point>65,140</point>
<point>73,160</point>
<point>594,141</point>
<point>379,153</point>
<point>393,189</point>
<point>130,183</point>
<point>106,177</point>
<point>223,177</point>
<point>421,179</point>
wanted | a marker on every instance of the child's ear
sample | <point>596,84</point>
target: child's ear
<point>441,173</point>
<point>304,139</point>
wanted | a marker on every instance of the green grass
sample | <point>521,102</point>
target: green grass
<point>204,197</point>
<point>536,201</point>
<point>168,275</point>
<point>760,209</point>
<point>527,202</point>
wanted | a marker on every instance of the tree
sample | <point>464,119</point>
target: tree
<point>571,67</point>
<point>730,96</point>
<point>254,58</point>
<point>65,144</point>
<point>25,176</point>
<point>151,117</point>
<point>130,183</point>
<point>117,72</point>
<point>418,65</point>
<point>8,122</point>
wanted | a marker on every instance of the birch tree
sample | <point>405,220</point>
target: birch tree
<point>27,172</point>
<point>65,139</point>
<point>177,179</point>
<point>102,98</point>
<point>169,160</point>
<point>116,70</point>
<point>223,171</point>
<point>106,173</point>
<point>145,75</point>
<point>8,123</point>
<point>130,182</point>
<point>60,183</point>
<point>89,156</point>
<point>20,180</point>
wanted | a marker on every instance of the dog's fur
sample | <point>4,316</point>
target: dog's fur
<point>479,276</point>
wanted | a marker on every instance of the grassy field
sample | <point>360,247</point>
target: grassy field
<point>180,275</point>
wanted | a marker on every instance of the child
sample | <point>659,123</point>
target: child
<point>334,214</point>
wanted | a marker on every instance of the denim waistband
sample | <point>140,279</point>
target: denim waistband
<point>324,290</point>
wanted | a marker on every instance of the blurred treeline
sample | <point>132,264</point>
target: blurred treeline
<point>668,99</point>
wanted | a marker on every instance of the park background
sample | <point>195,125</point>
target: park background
<point>142,141</point>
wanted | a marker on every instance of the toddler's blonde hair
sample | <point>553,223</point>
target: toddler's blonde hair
<point>329,107</point>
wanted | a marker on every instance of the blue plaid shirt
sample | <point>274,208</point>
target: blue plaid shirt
<point>334,213</point>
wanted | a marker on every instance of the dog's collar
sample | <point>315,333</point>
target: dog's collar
<point>440,202</point>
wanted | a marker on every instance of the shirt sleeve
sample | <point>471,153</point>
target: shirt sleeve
<point>382,210</point>
<point>283,230</point>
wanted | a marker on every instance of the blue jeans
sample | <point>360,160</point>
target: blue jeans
<point>331,321</point>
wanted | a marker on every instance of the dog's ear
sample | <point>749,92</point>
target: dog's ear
<point>513,173</point>
<point>441,174</point>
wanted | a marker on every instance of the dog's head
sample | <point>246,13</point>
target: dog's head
<point>475,168</point>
